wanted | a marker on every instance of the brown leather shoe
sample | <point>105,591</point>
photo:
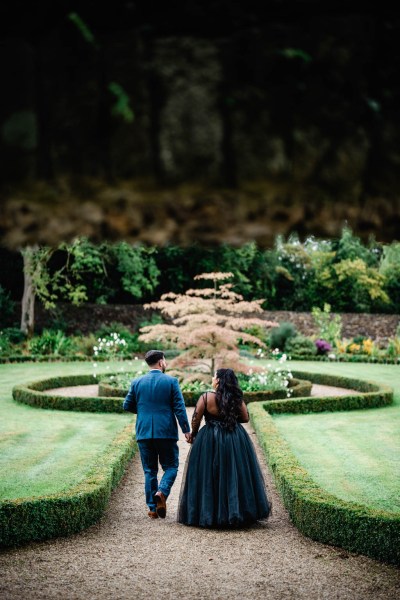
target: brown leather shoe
<point>152,514</point>
<point>161,507</point>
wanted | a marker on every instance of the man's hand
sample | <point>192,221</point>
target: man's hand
<point>189,438</point>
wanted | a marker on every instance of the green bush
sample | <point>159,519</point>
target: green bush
<point>51,342</point>
<point>279,335</point>
<point>300,345</point>
<point>5,345</point>
<point>32,519</point>
<point>7,307</point>
<point>319,514</point>
<point>329,326</point>
<point>14,335</point>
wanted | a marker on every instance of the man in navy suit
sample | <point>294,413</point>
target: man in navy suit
<point>157,400</point>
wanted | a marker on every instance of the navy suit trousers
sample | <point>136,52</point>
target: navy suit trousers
<point>151,451</point>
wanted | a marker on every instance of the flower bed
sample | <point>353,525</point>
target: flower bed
<point>297,386</point>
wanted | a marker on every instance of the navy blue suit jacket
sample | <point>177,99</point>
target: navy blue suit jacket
<point>157,399</point>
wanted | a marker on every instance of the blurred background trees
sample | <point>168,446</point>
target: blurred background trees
<point>345,273</point>
<point>291,106</point>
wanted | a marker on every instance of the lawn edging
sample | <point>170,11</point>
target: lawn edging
<point>317,513</point>
<point>369,395</point>
<point>32,393</point>
<point>55,515</point>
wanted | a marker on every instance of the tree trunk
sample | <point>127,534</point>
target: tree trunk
<point>28,298</point>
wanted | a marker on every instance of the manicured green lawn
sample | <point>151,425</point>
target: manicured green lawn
<point>355,455</point>
<point>47,451</point>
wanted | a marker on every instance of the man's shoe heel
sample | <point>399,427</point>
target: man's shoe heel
<point>161,508</point>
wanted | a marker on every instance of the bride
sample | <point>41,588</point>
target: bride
<point>222,482</point>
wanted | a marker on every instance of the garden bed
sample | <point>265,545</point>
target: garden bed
<point>110,397</point>
<point>298,388</point>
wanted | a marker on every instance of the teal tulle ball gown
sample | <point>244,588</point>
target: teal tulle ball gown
<point>223,485</point>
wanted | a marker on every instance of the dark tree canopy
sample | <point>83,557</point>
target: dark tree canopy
<point>237,121</point>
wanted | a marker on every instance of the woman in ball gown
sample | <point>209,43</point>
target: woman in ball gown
<point>222,485</point>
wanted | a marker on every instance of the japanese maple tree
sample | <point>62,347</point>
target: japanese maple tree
<point>206,325</point>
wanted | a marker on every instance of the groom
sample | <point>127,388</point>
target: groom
<point>157,400</point>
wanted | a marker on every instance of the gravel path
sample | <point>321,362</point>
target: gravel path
<point>128,556</point>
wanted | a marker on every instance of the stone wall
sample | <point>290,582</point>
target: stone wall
<point>376,326</point>
<point>90,317</point>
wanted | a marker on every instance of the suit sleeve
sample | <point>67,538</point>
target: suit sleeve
<point>130,400</point>
<point>179,407</point>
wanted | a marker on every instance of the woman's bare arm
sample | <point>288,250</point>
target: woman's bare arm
<point>244,413</point>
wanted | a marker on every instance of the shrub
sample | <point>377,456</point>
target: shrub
<point>322,346</point>
<point>7,306</point>
<point>5,345</point>
<point>300,345</point>
<point>85,343</point>
<point>280,335</point>
<point>51,342</point>
<point>329,326</point>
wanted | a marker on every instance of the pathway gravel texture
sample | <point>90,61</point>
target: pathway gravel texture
<point>129,556</point>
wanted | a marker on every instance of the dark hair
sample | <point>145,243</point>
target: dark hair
<point>228,397</point>
<point>153,356</point>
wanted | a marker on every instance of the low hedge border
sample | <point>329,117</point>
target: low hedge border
<point>32,394</point>
<point>300,388</point>
<point>319,514</point>
<point>110,398</point>
<point>369,395</point>
<point>53,358</point>
<point>348,358</point>
<point>55,515</point>
<point>16,358</point>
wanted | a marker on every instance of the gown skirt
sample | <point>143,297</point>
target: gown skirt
<point>222,485</point>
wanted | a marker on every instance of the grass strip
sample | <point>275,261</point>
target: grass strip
<point>56,515</point>
<point>319,514</point>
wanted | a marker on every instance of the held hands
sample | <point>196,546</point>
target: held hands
<point>189,438</point>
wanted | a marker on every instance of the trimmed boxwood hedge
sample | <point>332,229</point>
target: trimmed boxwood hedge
<point>55,515</point>
<point>33,394</point>
<point>355,358</point>
<point>299,387</point>
<point>110,398</point>
<point>319,514</point>
<point>370,395</point>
